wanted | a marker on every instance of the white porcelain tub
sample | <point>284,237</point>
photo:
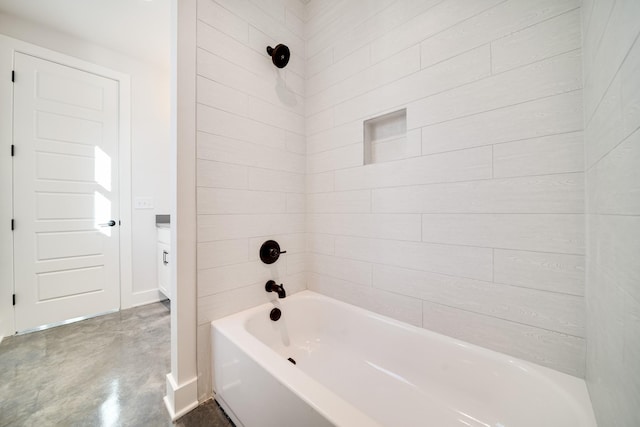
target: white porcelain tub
<point>356,368</point>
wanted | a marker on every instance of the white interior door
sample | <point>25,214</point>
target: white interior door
<point>66,257</point>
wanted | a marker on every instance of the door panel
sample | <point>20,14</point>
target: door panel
<point>65,187</point>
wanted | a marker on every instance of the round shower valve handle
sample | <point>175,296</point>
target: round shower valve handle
<point>270,252</point>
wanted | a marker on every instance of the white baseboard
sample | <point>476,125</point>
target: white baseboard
<point>146,297</point>
<point>181,399</point>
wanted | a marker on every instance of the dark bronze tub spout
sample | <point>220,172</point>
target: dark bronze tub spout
<point>271,286</point>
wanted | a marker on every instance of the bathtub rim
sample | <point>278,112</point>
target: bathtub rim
<point>343,413</point>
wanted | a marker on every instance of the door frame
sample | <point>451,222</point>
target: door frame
<point>8,47</point>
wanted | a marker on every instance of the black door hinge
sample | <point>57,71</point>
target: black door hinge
<point>13,223</point>
<point>14,299</point>
<point>13,75</point>
<point>13,150</point>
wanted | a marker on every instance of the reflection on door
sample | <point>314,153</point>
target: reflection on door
<point>66,235</point>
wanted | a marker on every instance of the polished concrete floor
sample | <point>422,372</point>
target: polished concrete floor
<point>105,371</point>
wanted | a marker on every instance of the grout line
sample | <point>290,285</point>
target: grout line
<point>508,320</point>
<point>452,276</point>
<point>452,245</point>
<point>445,183</point>
<point>466,83</point>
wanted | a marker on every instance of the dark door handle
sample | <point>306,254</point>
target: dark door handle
<point>108,224</point>
<point>164,257</point>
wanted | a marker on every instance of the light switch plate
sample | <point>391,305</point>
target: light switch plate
<point>143,203</point>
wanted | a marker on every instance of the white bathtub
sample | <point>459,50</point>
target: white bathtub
<point>356,368</point>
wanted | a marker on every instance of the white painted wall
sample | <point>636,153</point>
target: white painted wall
<point>479,233</point>
<point>612,153</point>
<point>150,120</point>
<point>250,158</point>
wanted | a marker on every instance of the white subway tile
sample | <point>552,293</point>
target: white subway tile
<point>221,175</point>
<point>265,112</point>
<point>296,263</point>
<point>295,142</point>
<point>228,150</point>
<point>319,182</point>
<point>383,226</point>
<point>614,182</point>
<point>593,30</point>
<point>389,304</point>
<point>294,22</point>
<point>631,93</point>
<point>224,252</point>
<point>239,226</point>
<point>537,194</point>
<point>499,21</point>
<point>350,15</point>
<point>442,16</point>
<point>296,203</point>
<point>250,82</point>
<point>552,76</point>
<point>320,13</point>
<point>228,277</point>
<point>319,122</point>
<point>548,38</point>
<point>538,156</point>
<point>455,166</point>
<point>465,68</point>
<point>335,137</point>
<point>294,84</point>
<point>533,232</point>
<point>621,32</point>
<point>299,10</point>
<point>557,351</point>
<point>358,201</point>
<point>270,180</point>
<point>216,95</point>
<point>333,73</point>
<point>321,243</point>
<point>218,43</point>
<point>339,158</point>
<point>371,78</point>
<point>319,62</point>
<point>547,116</point>
<point>230,201</point>
<point>605,129</point>
<point>341,268</point>
<point>463,261</point>
<point>397,14</point>
<point>219,122</point>
<point>272,8</point>
<point>223,20</point>
<point>540,270</point>
<point>614,254</point>
<point>268,17</point>
<point>556,312</point>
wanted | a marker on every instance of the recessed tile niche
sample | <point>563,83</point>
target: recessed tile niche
<point>385,138</point>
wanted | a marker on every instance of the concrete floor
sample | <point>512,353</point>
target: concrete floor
<point>105,371</point>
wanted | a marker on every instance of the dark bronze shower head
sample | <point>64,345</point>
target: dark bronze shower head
<point>279,55</point>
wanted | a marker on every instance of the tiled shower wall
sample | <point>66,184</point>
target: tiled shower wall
<point>612,148</point>
<point>479,232</point>
<point>251,157</point>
